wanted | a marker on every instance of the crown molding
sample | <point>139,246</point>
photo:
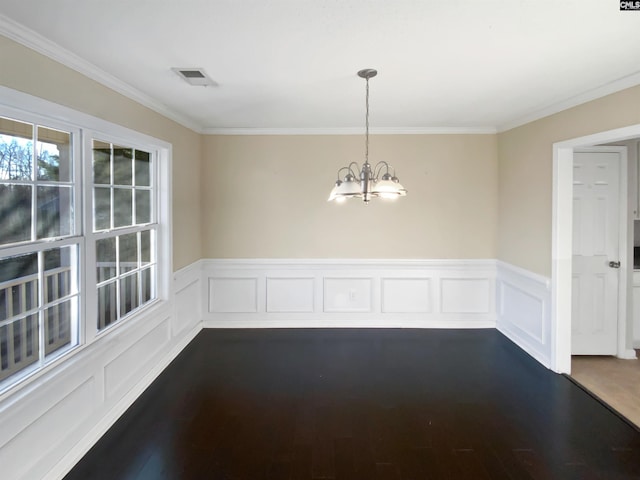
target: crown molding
<point>614,86</point>
<point>33,40</point>
<point>351,131</point>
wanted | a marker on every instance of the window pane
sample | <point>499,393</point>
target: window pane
<point>128,252</point>
<point>15,212</point>
<point>101,163</point>
<point>122,166</point>
<point>145,247</point>
<point>54,155</point>
<point>107,306</point>
<point>57,326</point>
<point>125,284</point>
<point>18,285</point>
<point>102,208</point>
<point>55,211</point>
<point>106,258</point>
<point>16,150</point>
<point>128,294</point>
<point>143,169</point>
<point>60,275</point>
<point>19,345</point>
<point>122,214</point>
<point>147,284</point>
<point>143,206</point>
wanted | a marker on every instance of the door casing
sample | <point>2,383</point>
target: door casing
<point>561,249</point>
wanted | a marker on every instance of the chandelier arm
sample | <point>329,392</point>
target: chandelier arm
<point>379,166</point>
<point>355,173</point>
<point>341,169</point>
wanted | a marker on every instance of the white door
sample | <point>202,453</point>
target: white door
<point>596,227</point>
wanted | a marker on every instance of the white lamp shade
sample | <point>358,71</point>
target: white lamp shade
<point>349,189</point>
<point>387,189</point>
<point>345,190</point>
<point>332,195</point>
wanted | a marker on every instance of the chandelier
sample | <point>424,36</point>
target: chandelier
<point>367,182</point>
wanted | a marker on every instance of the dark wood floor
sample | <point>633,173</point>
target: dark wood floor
<point>362,404</point>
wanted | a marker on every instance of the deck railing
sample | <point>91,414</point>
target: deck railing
<point>107,294</point>
<point>20,319</point>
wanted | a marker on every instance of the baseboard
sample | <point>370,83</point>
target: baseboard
<point>540,357</point>
<point>628,354</point>
<point>82,447</point>
<point>346,323</point>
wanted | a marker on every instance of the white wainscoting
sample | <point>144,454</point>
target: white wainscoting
<point>523,308</point>
<point>349,293</point>
<point>51,422</point>
<point>65,411</point>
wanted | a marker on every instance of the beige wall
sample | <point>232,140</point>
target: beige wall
<point>525,160</point>
<point>29,72</point>
<point>470,196</point>
<point>266,197</point>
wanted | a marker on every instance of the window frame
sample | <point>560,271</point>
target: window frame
<point>40,245</point>
<point>83,128</point>
<point>92,236</point>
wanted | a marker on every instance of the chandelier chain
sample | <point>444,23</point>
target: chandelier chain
<point>366,135</point>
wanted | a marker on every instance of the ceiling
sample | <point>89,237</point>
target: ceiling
<point>286,66</point>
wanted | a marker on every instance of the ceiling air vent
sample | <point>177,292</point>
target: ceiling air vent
<point>194,76</point>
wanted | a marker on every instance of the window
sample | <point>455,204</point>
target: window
<point>81,223</point>
<point>39,245</point>
<point>125,229</point>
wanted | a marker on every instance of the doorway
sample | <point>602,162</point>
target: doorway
<point>600,368</point>
<point>562,249</point>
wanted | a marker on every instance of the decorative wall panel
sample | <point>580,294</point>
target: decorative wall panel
<point>523,312</point>
<point>465,295</point>
<point>350,293</point>
<point>290,295</point>
<point>233,295</point>
<point>344,295</point>
<point>406,295</point>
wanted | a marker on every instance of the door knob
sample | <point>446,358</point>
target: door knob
<point>614,264</point>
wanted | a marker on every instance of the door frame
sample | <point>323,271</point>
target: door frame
<point>562,244</point>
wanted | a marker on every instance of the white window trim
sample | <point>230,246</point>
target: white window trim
<point>92,330</point>
<point>19,105</point>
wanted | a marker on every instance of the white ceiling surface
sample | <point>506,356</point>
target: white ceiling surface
<point>291,64</point>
